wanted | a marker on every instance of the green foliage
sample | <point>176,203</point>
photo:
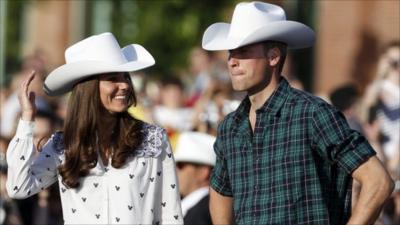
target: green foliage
<point>167,28</point>
<point>13,36</point>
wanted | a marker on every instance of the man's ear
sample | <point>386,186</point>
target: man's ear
<point>273,56</point>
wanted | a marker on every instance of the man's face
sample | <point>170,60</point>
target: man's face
<point>192,176</point>
<point>248,68</point>
<point>172,96</point>
<point>186,177</point>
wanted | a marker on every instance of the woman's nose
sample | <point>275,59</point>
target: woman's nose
<point>123,84</point>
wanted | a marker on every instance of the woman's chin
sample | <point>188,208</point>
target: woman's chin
<point>117,110</point>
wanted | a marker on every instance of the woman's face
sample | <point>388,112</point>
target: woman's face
<point>115,89</point>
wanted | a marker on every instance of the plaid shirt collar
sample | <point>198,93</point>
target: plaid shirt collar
<point>272,106</point>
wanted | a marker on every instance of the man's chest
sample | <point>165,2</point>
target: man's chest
<point>277,146</point>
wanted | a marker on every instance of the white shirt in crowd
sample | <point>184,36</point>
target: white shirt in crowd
<point>193,198</point>
<point>179,119</point>
<point>144,191</point>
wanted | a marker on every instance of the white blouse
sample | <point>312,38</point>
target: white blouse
<point>144,191</point>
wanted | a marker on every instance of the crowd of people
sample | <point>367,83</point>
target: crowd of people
<point>190,106</point>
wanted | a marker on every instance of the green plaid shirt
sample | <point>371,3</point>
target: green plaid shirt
<point>295,168</point>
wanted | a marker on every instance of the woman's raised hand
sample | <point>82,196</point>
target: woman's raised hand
<point>27,99</point>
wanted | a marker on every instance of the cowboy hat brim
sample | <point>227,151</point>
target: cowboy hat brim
<point>63,79</point>
<point>294,34</point>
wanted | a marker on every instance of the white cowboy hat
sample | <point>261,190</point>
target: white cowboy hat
<point>195,147</point>
<point>97,54</point>
<point>254,22</point>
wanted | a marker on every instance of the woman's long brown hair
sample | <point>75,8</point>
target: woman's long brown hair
<point>80,133</point>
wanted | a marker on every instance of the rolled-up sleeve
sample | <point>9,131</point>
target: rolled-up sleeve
<point>219,180</point>
<point>336,142</point>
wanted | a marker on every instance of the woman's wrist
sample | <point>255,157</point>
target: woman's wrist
<point>28,116</point>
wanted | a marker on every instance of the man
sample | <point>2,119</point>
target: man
<point>284,156</point>
<point>345,98</point>
<point>195,158</point>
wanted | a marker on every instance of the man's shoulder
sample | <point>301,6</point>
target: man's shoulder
<point>227,121</point>
<point>305,99</point>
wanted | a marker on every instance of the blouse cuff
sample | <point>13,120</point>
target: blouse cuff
<point>25,128</point>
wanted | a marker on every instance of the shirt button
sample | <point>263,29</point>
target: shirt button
<point>255,187</point>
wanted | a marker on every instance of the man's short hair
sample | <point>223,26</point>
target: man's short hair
<point>282,48</point>
<point>344,97</point>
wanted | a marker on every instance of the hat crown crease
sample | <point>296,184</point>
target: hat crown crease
<point>248,17</point>
<point>103,48</point>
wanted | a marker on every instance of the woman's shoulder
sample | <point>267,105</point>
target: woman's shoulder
<point>154,138</point>
<point>148,128</point>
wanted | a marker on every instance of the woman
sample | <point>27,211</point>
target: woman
<point>111,168</point>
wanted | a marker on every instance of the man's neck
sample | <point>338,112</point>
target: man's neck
<point>258,99</point>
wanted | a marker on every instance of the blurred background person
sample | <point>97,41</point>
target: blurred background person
<point>345,98</point>
<point>217,99</point>
<point>46,123</point>
<point>199,66</point>
<point>384,94</point>
<point>144,107</point>
<point>171,113</point>
<point>212,106</point>
<point>195,159</point>
<point>380,109</point>
<point>389,107</point>
<point>373,134</point>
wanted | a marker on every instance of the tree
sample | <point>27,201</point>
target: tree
<point>167,28</point>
